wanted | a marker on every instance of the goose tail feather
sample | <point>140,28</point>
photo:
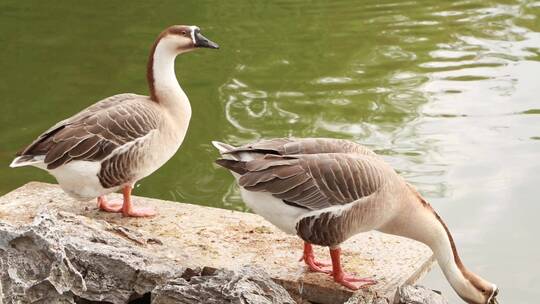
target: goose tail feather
<point>222,147</point>
<point>27,160</point>
<point>226,150</point>
<point>233,165</point>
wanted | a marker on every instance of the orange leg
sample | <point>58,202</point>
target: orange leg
<point>309,258</point>
<point>129,210</point>
<point>343,278</point>
<point>126,207</point>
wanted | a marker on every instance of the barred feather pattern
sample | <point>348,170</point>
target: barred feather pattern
<point>109,131</point>
<point>337,180</point>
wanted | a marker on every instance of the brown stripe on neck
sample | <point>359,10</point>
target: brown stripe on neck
<point>426,205</point>
<point>150,71</point>
<point>471,277</point>
<point>172,30</point>
<point>150,68</point>
<point>457,259</point>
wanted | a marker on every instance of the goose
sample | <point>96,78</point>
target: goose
<point>121,139</point>
<point>327,190</point>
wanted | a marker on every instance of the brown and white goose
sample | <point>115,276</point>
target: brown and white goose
<point>327,190</point>
<point>123,138</point>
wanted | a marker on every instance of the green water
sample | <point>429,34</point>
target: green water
<point>448,92</point>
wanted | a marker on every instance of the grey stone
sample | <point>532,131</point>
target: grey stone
<point>34,267</point>
<point>64,258</point>
<point>406,294</point>
<point>245,286</point>
<point>61,257</point>
<point>416,294</point>
<point>360,298</point>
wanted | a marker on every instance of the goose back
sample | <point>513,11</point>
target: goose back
<point>292,146</point>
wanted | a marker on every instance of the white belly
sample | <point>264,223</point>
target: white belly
<point>79,180</point>
<point>273,210</point>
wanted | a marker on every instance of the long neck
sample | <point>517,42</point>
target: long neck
<point>426,226</point>
<point>442,243</point>
<point>162,82</point>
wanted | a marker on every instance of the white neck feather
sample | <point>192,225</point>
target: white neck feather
<point>423,225</point>
<point>166,88</point>
<point>442,249</point>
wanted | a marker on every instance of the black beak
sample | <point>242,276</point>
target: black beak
<point>203,42</point>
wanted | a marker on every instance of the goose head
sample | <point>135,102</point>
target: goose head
<point>489,292</point>
<point>160,74</point>
<point>184,38</point>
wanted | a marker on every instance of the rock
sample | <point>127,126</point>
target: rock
<point>245,286</point>
<point>416,294</point>
<point>406,294</point>
<point>360,298</point>
<point>61,257</point>
<point>77,254</point>
<point>34,266</point>
<point>64,258</point>
<point>186,235</point>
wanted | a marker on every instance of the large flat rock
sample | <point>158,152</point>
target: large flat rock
<point>195,236</point>
<point>63,258</point>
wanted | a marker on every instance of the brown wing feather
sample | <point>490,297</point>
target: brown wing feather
<point>315,181</point>
<point>95,132</point>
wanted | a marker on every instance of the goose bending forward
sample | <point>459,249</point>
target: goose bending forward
<point>123,138</point>
<point>327,190</point>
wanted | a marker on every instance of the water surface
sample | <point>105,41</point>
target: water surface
<point>447,91</point>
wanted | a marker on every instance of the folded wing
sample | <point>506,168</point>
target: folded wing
<point>312,181</point>
<point>94,133</point>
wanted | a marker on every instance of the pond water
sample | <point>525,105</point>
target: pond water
<point>448,92</point>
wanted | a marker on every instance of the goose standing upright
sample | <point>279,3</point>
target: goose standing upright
<point>123,138</point>
<point>327,190</point>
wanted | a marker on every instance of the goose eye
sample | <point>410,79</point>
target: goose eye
<point>184,33</point>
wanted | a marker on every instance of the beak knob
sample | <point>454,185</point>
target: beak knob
<point>203,42</point>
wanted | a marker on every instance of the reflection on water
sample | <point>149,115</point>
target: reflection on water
<point>446,91</point>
